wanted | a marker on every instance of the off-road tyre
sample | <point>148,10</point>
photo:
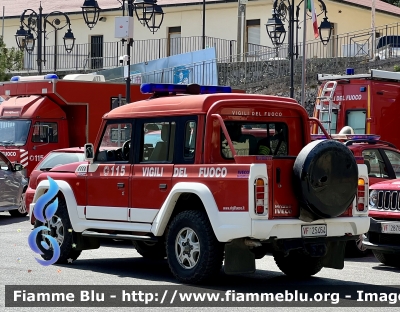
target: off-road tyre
<point>206,253</point>
<point>325,176</point>
<point>388,259</point>
<point>355,248</point>
<point>151,250</point>
<point>298,264</point>
<point>21,211</point>
<point>67,252</point>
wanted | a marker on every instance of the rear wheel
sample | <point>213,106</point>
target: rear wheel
<point>388,259</point>
<point>150,250</point>
<point>21,211</point>
<point>194,253</point>
<point>298,264</point>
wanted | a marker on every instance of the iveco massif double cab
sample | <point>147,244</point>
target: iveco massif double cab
<point>185,175</point>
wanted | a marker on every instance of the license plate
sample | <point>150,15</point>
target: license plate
<point>313,230</point>
<point>391,228</point>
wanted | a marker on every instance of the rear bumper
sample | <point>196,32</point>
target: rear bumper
<point>337,228</point>
<point>376,240</point>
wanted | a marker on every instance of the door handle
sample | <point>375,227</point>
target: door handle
<point>278,175</point>
<point>120,185</point>
<point>163,186</point>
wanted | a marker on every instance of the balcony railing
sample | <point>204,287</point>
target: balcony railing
<point>95,57</point>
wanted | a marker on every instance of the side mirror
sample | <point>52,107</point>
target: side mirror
<point>18,167</point>
<point>89,152</point>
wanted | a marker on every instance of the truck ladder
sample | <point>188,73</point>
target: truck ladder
<point>325,104</point>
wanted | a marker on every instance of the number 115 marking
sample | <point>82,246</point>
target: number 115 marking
<point>114,170</point>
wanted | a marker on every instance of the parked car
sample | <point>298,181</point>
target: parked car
<point>383,163</point>
<point>387,47</point>
<point>53,159</point>
<point>12,187</point>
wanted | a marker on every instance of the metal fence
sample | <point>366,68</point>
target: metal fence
<point>105,55</point>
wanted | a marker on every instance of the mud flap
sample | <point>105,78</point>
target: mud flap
<point>238,258</point>
<point>85,243</point>
<point>334,257</point>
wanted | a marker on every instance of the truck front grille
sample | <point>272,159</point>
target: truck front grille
<point>388,200</point>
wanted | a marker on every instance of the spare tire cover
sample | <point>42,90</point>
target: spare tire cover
<point>326,178</point>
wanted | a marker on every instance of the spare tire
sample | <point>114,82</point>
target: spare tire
<point>325,178</point>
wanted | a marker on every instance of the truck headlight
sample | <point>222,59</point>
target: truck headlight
<point>373,199</point>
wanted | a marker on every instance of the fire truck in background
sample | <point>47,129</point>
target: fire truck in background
<point>43,113</point>
<point>368,103</point>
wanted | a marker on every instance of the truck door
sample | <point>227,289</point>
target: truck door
<point>108,176</point>
<point>8,186</point>
<point>153,168</point>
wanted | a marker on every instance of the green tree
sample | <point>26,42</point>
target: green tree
<point>10,59</point>
<point>393,2</point>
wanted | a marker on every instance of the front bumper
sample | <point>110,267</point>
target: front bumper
<point>376,240</point>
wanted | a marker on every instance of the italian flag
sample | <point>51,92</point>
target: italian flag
<point>311,8</point>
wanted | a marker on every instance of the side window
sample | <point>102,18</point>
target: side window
<point>375,164</point>
<point>115,143</point>
<point>252,138</point>
<point>45,132</point>
<point>357,120</point>
<point>190,139</point>
<point>158,142</point>
<point>3,164</point>
<point>325,117</point>
<point>394,159</point>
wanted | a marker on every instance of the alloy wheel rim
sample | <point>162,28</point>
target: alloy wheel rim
<point>187,248</point>
<point>22,206</point>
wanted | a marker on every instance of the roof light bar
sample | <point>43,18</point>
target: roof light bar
<point>372,137</point>
<point>30,78</point>
<point>179,88</point>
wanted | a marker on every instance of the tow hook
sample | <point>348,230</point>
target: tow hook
<point>316,250</point>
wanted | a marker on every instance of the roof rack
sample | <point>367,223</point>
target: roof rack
<point>374,74</point>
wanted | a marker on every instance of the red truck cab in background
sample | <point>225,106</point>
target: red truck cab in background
<point>44,113</point>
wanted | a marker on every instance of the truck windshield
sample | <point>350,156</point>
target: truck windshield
<point>14,132</point>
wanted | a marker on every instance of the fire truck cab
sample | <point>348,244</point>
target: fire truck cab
<point>203,176</point>
<point>43,113</point>
<point>368,103</point>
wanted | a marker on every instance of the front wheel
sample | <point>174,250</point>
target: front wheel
<point>60,228</point>
<point>194,253</point>
<point>387,259</point>
<point>298,264</point>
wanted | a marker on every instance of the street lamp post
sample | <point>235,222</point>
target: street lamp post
<point>36,27</point>
<point>148,13</point>
<point>277,33</point>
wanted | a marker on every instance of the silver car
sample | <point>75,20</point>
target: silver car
<point>12,188</point>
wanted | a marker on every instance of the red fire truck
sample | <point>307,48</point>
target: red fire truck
<point>184,177</point>
<point>44,113</point>
<point>368,103</point>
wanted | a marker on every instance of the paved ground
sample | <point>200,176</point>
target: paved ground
<point>117,263</point>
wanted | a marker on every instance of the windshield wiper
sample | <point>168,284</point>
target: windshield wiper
<point>6,142</point>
